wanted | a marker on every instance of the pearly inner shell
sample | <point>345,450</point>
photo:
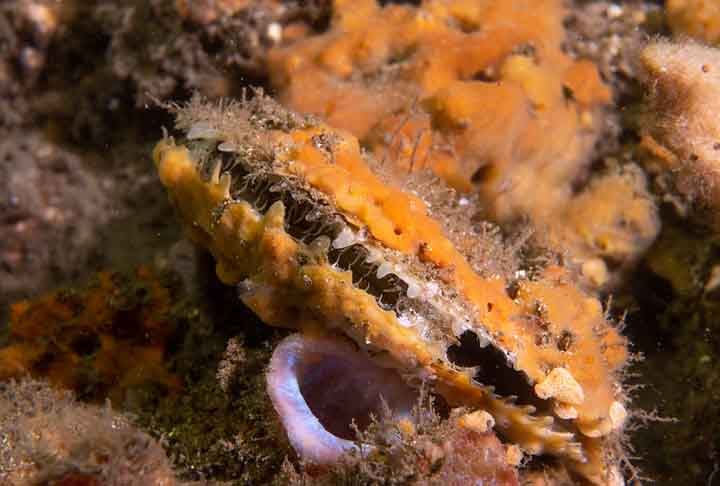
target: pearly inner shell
<point>320,386</point>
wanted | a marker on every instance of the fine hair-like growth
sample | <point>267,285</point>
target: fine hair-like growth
<point>49,438</point>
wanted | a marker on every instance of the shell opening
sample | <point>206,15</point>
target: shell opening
<point>493,368</point>
<point>307,220</point>
<point>320,386</point>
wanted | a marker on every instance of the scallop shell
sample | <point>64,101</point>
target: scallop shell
<point>317,237</point>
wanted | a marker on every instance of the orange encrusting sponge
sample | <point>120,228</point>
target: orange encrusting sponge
<point>103,340</point>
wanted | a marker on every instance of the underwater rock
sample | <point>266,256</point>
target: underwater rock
<point>50,211</point>
<point>167,47</point>
<point>48,438</point>
<point>681,127</point>
<point>610,34</point>
<point>26,29</point>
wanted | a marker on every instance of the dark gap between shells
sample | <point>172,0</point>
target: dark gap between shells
<point>493,369</point>
<point>306,220</point>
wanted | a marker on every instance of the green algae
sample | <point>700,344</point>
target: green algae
<point>678,330</point>
<point>220,428</point>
